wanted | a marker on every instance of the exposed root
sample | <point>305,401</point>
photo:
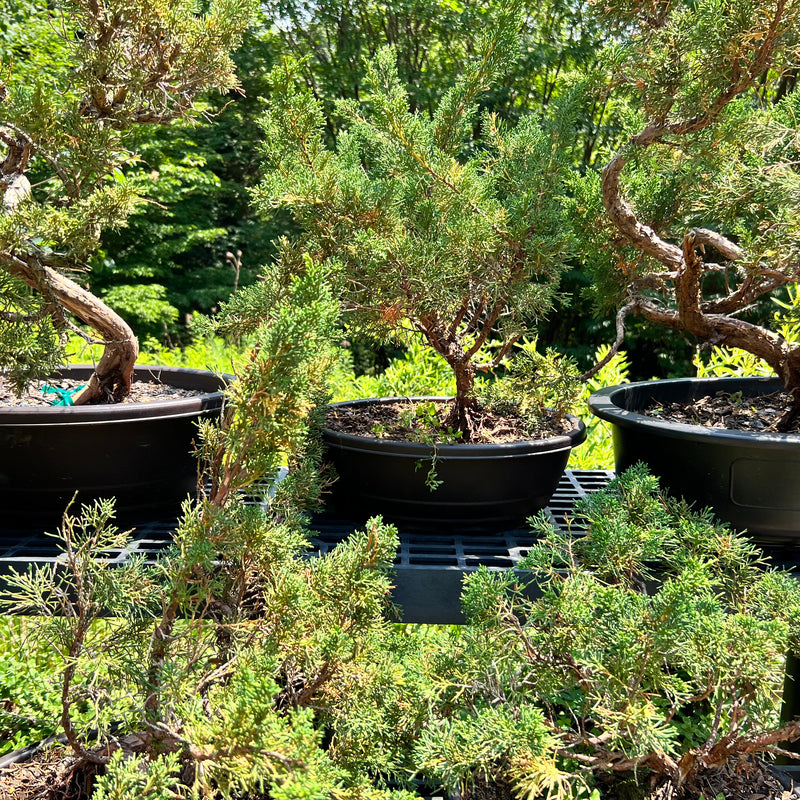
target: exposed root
<point>790,415</point>
<point>465,416</point>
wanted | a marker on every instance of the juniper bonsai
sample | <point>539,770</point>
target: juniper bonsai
<point>700,203</point>
<point>213,667</point>
<point>649,646</point>
<point>431,230</point>
<point>66,134</point>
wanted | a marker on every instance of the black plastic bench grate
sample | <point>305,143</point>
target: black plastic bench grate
<point>469,551</point>
<point>429,566</point>
<point>420,548</point>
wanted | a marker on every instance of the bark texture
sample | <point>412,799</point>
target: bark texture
<point>111,381</point>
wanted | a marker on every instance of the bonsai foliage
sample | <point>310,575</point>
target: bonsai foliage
<point>65,133</point>
<point>433,43</point>
<point>702,197</point>
<point>218,660</point>
<point>427,230</point>
<point>653,646</point>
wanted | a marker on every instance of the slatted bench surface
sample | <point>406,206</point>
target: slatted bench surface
<point>430,565</point>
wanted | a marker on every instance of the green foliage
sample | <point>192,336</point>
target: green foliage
<point>723,362</point>
<point>693,222</point>
<point>66,125</point>
<point>177,246</point>
<point>224,654</point>
<point>29,699</point>
<point>418,371</point>
<point>597,452</point>
<point>655,644</point>
<point>535,387</point>
<point>201,176</point>
<point>145,303</point>
<point>29,42</point>
<point>249,740</point>
<point>384,702</point>
<point>137,776</point>
<point>334,40</point>
<point>468,748</point>
<point>26,350</point>
<point>282,379</point>
<point>72,605</point>
<point>202,352</point>
<point>422,235</point>
<point>677,58</point>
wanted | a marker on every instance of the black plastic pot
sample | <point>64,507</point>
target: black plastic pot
<point>751,480</point>
<point>484,487</point>
<point>140,453</point>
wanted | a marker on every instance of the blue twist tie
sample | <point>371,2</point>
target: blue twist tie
<point>63,396</point>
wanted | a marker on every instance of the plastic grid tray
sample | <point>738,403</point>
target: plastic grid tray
<point>469,551</point>
<point>430,566</point>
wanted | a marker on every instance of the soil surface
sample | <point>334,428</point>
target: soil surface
<point>56,775</point>
<point>747,779</point>
<point>37,394</point>
<point>402,421</point>
<point>733,412</point>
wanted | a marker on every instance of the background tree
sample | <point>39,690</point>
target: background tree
<point>176,250</point>
<point>67,137</point>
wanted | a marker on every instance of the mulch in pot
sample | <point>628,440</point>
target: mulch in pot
<point>729,411</point>
<point>48,393</point>
<point>388,420</point>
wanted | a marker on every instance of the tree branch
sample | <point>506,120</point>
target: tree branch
<point>614,349</point>
<point>121,345</point>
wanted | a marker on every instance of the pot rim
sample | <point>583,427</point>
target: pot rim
<point>603,404</point>
<point>568,440</point>
<point>115,412</point>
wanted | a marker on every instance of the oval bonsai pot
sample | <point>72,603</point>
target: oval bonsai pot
<point>484,487</point>
<point>139,453</point>
<point>751,480</point>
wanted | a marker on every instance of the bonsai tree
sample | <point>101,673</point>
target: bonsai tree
<point>428,229</point>
<point>220,659</point>
<point>66,135</point>
<point>700,203</point>
<point>649,651</point>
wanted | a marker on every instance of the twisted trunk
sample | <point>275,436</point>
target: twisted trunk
<point>464,403</point>
<point>446,341</point>
<point>711,322</point>
<point>111,381</point>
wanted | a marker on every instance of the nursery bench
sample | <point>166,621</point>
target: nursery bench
<point>430,566</point>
